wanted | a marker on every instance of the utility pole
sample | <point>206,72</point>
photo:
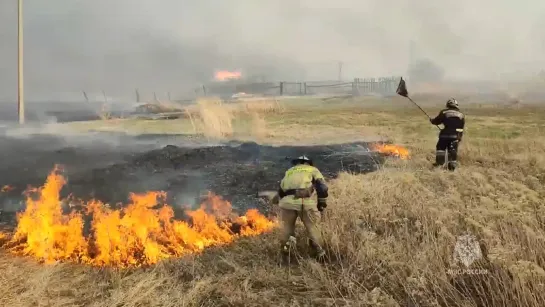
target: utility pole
<point>340,71</point>
<point>20,87</point>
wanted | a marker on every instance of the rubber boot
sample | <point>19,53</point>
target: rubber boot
<point>287,250</point>
<point>317,251</point>
<point>439,158</point>
<point>321,256</point>
<point>452,157</point>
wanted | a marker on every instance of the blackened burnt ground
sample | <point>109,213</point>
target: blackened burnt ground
<point>234,171</point>
<point>109,171</point>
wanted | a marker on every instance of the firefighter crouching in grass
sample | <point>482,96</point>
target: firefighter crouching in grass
<point>451,135</point>
<point>296,200</point>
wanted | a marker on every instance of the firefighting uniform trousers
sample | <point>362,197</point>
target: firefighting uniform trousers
<point>445,145</point>
<point>310,218</point>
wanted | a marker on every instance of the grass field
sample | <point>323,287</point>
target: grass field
<point>390,234</point>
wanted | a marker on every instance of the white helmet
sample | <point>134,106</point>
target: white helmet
<point>452,103</point>
<point>302,159</point>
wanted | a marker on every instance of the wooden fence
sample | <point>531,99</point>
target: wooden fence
<point>357,87</point>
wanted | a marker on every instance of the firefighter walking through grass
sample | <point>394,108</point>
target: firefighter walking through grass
<point>296,200</point>
<point>450,136</point>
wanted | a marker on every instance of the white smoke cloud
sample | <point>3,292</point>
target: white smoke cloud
<point>168,45</point>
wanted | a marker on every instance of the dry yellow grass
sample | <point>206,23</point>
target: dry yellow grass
<point>105,113</point>
<point>259,127</point>
<point>390,234</point>
<point>261,107</point>
<point>216,120</point>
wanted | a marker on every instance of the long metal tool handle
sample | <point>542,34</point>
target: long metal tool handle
<point>416,104</point>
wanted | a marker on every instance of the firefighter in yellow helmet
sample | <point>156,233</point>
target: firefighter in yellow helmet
<point>296,200</point>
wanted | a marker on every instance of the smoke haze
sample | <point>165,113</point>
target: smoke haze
<point>174,45</point>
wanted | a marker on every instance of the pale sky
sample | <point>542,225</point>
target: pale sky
<point>169,45</point>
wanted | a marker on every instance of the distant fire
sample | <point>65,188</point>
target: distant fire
<point>224,75</point>
<point>394,150</point>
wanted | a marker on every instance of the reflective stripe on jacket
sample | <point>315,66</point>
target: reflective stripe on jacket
<point>454,122</point>
<point>301,176</point>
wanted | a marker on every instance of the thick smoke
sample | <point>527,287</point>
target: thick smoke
<point>425,71</point>
<point>173,45</point>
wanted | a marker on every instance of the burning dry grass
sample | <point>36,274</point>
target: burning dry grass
<point>142,233</point>
<point>393,150</point>
<point>390,237</point>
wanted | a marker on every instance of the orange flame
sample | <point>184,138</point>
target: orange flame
<point>394,150</point>
<point>224,75</point>
<point>139,234</point>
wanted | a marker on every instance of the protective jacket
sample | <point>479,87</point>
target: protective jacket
<point>298,186</point>
<point>453,121</point>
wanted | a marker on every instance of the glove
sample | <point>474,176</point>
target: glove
<point>322,204</point>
